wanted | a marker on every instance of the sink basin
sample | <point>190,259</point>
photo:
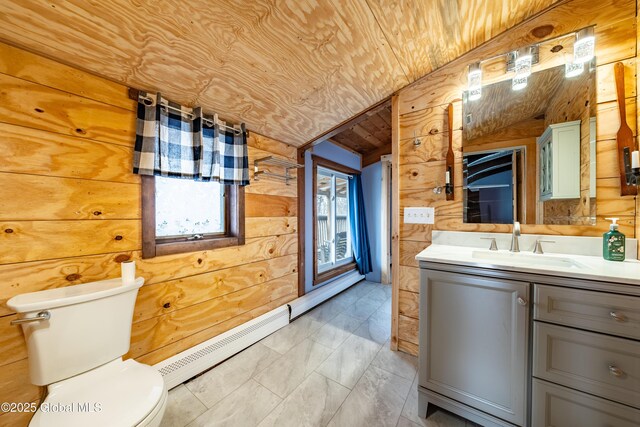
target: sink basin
<point>532,260</point>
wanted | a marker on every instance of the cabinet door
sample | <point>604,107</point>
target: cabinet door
<point>474,341</point>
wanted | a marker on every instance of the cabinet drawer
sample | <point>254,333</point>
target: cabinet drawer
<point>595,311</point>
<point>606,366</point>
<point>556,406</point>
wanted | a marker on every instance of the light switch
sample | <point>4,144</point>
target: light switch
<point>419,215</point>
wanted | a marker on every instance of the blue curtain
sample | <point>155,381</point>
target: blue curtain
<point>358,224</point>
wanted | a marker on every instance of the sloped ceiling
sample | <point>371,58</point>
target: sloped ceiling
<point>290,69</point>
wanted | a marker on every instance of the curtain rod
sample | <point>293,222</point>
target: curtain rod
<point>134,95</point>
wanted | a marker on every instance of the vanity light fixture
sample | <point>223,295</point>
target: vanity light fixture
<point>519,83</point>
<point>584,46</point>
<point>524,61</point>
<point>474,85</point>
<point>572,69</point>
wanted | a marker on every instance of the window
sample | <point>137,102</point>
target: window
<point>180,215</point>
<point>332,232</point>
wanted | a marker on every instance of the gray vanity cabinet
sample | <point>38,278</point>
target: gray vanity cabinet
<point>574,361</point>
<point>474,343</point>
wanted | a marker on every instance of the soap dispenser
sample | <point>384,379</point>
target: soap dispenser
<point>613,243</point>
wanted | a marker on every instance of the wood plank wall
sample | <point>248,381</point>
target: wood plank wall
<point>70,212</point>
<point>422,107</point>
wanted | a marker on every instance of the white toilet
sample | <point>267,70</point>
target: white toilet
<point>76,337</point>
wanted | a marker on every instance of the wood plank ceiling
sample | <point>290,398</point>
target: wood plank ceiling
<point>291,70</point>
<point>368,134</point>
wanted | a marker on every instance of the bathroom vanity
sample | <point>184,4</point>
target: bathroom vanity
<point>529,339</point>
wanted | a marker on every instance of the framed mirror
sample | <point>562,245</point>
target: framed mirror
<point>529,153</point>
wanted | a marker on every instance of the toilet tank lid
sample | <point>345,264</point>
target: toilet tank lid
<point>69,295</point>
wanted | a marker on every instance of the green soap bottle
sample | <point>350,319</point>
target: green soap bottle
<point>613,243</point>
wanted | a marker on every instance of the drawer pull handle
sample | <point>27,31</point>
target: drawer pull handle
<point>618,317</point>
<point>615,371</point>
<point>522,301</point>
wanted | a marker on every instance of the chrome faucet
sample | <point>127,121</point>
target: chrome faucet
<point>515,246</point>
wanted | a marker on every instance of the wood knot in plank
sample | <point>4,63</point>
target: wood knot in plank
<point>73,277</point>
<point>542,31</point>
<point>123,258</point>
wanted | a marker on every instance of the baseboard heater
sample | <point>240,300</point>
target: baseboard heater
<point>318,296</point>
<point>197,359</point>
<point>189,363</point>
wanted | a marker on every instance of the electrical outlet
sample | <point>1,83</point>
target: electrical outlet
<point>419,215</point>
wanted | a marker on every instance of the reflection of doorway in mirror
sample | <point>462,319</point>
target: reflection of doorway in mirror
<point>494,186</point>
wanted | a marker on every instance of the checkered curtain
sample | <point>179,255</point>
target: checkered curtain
<point>181,142</point>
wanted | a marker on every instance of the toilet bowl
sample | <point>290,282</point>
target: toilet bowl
<point>123,393</point>
<point>76,337</point>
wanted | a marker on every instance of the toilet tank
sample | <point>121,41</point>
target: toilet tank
<point>89,325</point>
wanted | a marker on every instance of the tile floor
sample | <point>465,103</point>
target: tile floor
<point>330,367</point>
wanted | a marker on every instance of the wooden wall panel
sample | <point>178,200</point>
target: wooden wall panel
<point>166,297</point>
<point>32,105</point>
<point>409,303</point>
<point>17,278</point>
<point>409,278</point>
<point>267,205</point>
<point>70,213</point>
<point>46,72</point>
<point>151,334</point>
<point>422,108</point>
<point>39,240</point>
<point>37,152</point>
<point>408,347</point>
<point>174,348</point>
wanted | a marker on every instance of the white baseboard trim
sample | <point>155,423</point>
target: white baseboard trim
<point>191,362</point>
<point>318,296</point>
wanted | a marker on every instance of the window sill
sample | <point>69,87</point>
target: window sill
<point>170,248</point>
<point>320,278</point>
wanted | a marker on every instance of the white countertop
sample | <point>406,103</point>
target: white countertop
<point>587,266</point>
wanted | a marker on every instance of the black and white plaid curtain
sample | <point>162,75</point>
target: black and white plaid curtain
<point>180,142</point>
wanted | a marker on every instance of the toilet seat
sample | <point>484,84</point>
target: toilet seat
<point>119,393</point>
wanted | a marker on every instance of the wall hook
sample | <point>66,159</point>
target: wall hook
<point>416,141</point>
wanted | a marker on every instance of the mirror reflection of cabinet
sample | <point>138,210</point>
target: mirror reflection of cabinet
<point>559,156</point>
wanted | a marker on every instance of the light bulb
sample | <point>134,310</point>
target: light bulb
<point>519,83</point>
<point>571,69</point>
<point>585,46</point>
<point>524,60</point>
<point>475,82</point>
